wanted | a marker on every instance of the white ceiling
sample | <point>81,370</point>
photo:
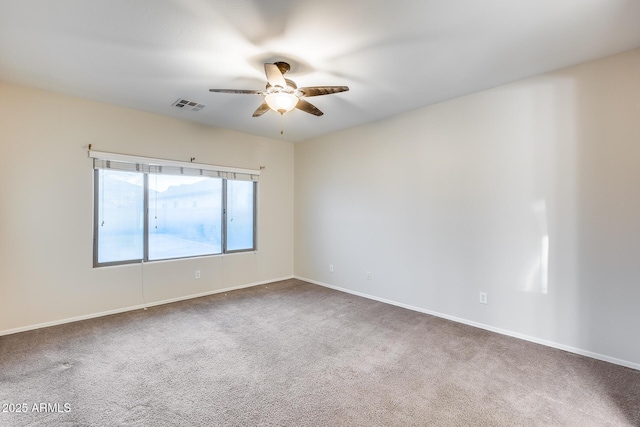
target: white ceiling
<point>394,55</point>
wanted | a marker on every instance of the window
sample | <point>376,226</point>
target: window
<point>184,230</point>
<point>119,221</point>
<point>240,215</point>
<point>147,213</point>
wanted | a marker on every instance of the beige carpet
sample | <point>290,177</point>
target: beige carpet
<point>296,354</point>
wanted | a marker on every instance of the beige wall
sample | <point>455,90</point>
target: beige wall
<point>46,207</point>
<point>447,201</point>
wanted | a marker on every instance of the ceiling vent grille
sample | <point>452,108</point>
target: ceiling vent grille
<point>188,105</point>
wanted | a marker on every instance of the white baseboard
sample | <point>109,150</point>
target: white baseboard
<point>552,344</point>
<point>136,307</point>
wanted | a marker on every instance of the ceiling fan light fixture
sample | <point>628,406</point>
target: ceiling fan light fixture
<point>282,95</point>
<point>281,102</point>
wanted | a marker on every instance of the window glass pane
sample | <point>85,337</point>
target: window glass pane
<point>185,216</point>
<point>240,212</point>
<point>120,221</point>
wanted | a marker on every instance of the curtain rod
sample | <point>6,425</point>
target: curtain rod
<point>164,162</point>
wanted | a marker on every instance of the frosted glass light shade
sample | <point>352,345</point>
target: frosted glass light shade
<point>281,102</point>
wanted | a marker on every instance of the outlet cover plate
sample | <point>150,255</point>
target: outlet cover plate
<point>483,298</point>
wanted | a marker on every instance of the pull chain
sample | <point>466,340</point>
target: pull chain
<point>156,203</point>
<point>102,178</point>
<point>282,125</point>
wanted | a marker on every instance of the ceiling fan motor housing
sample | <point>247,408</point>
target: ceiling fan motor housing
<point>291,85</point>
<point>284,67</point>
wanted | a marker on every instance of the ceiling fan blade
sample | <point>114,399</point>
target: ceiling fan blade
<point>241,91</point>
<point>322,90</point>
<point>307,107</point>
<point>274,75</point>
<point>261,110</point>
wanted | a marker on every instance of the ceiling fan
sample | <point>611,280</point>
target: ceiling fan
<point>282,95</point>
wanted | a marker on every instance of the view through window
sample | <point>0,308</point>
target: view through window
<point>186,216</point>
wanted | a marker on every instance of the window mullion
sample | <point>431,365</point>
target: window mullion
<point>145,243</point>
<point>224,216</point>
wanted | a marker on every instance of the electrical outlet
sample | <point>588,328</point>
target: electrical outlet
<point>197,274</point>
<point>331,268</point>
<point>369,277</point>
<point>483,298</point>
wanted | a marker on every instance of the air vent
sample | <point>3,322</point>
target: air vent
<point>188,105</point>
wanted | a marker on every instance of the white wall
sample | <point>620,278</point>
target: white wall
<point>449,200</point>
<point>46,207</point>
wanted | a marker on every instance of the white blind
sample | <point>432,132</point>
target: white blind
<point>124,162</point>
